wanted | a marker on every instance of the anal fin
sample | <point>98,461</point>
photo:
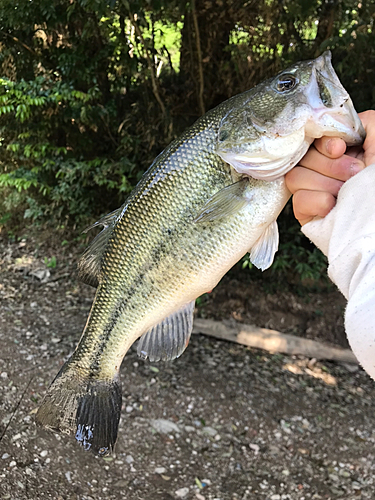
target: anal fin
<point>168,339</point>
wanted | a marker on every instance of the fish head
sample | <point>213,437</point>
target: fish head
<point>267,130</point>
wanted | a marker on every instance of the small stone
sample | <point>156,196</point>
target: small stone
<point>189,428</point>
<point>5,456</point>
<point>122,483</point>
<point>44,453</point>
<point>68,476</point>
<point>160,470</point>
<point>198,496</point>
<point>285,426</point>
<point>182,492</point>
<point>164,426</point>
<point>129,409</point>
<point>28,471</point>
<point>16,437</point>
<point>254,447</point>
<point>276,497</point>
<point>344,473</point>
<point>351,367</point>
<point>3,375</point>
<point>129,459</point>
<point>334,478</point>
<point>210,431</point>
<point>12,463</point>
<point>336,491</point>
<point>285,472</point>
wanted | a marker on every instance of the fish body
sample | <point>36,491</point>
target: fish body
<point>194,214</point>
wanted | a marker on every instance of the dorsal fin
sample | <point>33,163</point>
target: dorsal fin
<point>168,339</point>
<point>89,265</point>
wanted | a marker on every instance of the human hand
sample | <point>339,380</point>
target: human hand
<point>316,181</point>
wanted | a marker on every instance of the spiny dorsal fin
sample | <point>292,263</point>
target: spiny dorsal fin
<point>263,252</point>
<point>224,203</point>
<point>89,265</point>
<point>168,339</point>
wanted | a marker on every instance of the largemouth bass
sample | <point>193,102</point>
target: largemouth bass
<point>211,196</point>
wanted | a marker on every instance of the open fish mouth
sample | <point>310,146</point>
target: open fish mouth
<point>344,123</point>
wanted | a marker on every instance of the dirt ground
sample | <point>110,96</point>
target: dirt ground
<point>221,422</point>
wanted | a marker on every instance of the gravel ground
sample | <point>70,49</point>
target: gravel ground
<point>222,422</point>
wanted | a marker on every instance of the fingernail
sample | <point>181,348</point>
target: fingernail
<point>356,167</point>
<point>330,145</point>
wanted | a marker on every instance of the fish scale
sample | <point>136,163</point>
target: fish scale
<point>193,215</point>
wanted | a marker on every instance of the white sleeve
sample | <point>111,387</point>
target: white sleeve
<point>347,237</point>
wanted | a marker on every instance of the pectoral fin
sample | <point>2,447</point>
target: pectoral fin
<point>224,203</point>
<point>168,339</point>
<point>263,252</point>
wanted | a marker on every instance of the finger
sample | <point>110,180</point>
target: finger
<point>310,204</point>
<point>355,152</point>
<point>332,147</point>
<point>341,168</point>
<point>368,120</point>
<point>300,178</point>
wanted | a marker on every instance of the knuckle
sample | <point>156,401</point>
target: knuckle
<point>327,201</point>
<point>293,178</point>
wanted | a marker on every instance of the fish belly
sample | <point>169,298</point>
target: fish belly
<point>190,264</point>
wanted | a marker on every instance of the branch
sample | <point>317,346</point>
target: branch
<point>199,53</point>
<point>15,39</point>
<point>16,409</point>
<point>273,341</point>
<point>149,63</point>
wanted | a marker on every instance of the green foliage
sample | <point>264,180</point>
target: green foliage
<point>50,263</point>
<point>92,91</point>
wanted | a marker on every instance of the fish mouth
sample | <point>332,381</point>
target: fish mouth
<point>333,112</point>
<point>342,122</point>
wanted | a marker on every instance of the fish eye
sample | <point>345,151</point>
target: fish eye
<point>285,83</point>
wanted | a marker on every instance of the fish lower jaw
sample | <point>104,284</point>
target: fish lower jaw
<point>342,122</point>
<point>266,169</point>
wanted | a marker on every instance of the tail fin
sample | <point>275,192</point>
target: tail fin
<point>88,407</point>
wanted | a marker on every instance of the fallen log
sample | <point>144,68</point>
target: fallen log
<point>272,340</point>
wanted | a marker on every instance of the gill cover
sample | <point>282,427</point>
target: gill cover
<point>273,128</point>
